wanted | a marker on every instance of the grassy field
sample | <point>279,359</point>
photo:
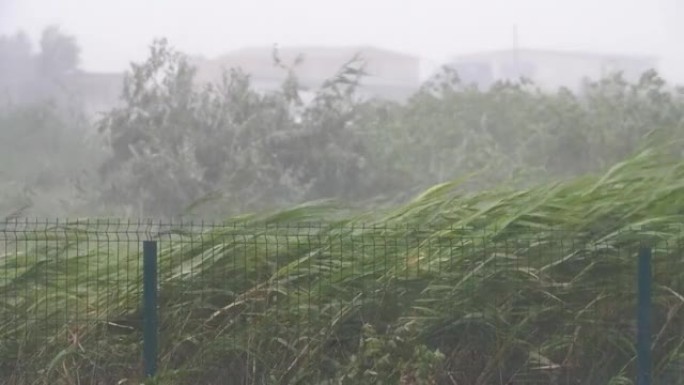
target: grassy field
<point>504,286</point>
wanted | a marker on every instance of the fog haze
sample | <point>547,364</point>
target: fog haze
<point>516,92</point>
<point>113,33</point>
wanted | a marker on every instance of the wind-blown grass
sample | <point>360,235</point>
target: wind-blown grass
<point>509,285</point>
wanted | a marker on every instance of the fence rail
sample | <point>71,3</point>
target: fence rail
<point>302,303</point>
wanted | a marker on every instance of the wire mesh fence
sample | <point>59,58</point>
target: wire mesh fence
<point>306,303</point>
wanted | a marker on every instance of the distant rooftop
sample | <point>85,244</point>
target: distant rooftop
<point>538,51</point>
<point>550,69</point>
<point>389,72</point>
<point>348,50</point>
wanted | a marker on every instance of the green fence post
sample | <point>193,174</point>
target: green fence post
<point>644,365</point>
<point>150,326</point>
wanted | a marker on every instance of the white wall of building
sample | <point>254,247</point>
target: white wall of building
<point>550,70</point>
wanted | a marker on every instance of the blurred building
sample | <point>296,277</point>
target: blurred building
<point>548,69</point>
<point>390,75</point>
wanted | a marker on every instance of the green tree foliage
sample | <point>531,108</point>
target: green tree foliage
<point>514,127</point>
<point>16,67</point>
<point>59,53</point>
<point>27,76</point>
<point>42,153</point>
<point>174,143</point>
<point>45,147</point>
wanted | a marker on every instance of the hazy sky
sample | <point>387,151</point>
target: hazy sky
<point>114,32</point>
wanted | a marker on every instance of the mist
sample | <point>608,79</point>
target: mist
<point>178,108</point>
<point>341,192</point>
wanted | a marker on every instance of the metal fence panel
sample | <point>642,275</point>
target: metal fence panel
<point>334,304</point>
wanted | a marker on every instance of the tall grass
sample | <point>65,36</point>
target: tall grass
<point>509,286</point>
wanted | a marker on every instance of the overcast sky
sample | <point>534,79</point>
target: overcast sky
<point>114,32</point>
